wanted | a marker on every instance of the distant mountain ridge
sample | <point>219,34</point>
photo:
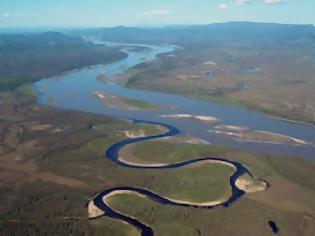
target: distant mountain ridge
<point>218,33</point>
<point>9,42</point>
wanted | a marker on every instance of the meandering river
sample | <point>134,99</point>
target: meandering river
<point>113,154</point>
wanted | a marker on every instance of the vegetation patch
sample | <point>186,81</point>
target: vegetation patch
<point>115,101</point>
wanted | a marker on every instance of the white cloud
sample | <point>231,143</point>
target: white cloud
<point>241,2</point>
<point>273,1</point>
<point>222,6</point>
<point>156,13</point>
<point>6,14</point>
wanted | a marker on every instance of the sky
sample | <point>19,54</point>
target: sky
<point>107,13</point>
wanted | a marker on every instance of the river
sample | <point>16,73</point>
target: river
<point>74,91</point>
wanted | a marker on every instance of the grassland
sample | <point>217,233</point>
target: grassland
<point>167,152</point>
<point>198,184</point>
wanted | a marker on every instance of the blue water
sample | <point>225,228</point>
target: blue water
<point>273,227</point>
<point>74,91</point>
<point>112,153</point>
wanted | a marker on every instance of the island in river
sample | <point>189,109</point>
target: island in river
<point>114,101</point>
<point>244,134</point>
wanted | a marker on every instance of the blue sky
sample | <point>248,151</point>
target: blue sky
<point>95,13</point>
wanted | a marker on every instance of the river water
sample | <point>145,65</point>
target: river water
<point>74,91</point>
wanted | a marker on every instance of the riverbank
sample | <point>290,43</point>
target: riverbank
<point>244,134</point>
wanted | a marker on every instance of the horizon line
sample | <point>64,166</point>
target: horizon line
<point>148,25</point>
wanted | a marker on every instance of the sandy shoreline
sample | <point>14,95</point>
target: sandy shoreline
<point>143,164</point>
<point>135,134</point>
<point>185,139</point>
<point>189,116</point>
<point>295,140</point>
<point>246,184</point>
<point>210,203</point>
<point>231,127</point>
<point>291,121</point>
<point>239,134</point>
<point>94,211</point>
